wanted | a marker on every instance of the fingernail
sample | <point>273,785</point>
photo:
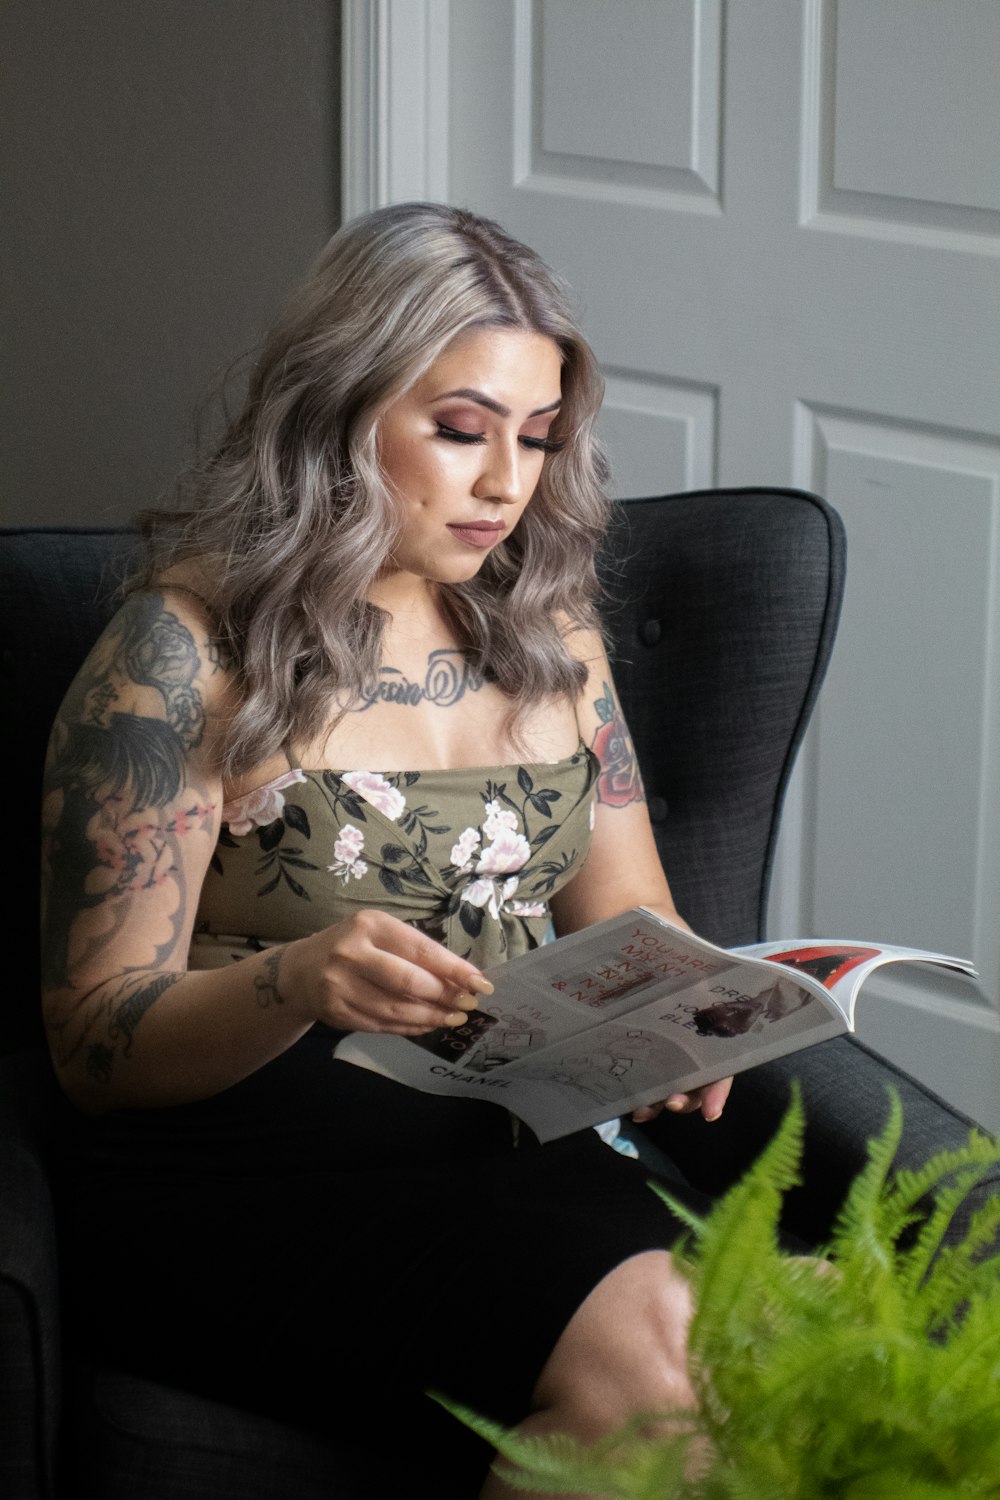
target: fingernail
<point>469,1001</point>
<point>456,1018</point>
<point>676,1102</point>
<point>716,1116</point>
<point>481,983</point>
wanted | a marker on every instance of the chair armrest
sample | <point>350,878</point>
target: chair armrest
<point>844,1092</point>
<point>30,1362</point>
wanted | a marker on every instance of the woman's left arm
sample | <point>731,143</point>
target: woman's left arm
<point>623,868</point>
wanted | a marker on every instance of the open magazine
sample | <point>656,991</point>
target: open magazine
<point>628,1011</point>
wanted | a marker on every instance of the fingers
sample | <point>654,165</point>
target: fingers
<point>713,1098</point>
<point>433,985</point>
<point>710,1100</point>
<point>374,973</point>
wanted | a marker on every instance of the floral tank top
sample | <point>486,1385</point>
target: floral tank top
<point>470,856</point>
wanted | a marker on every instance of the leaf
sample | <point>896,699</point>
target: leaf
<point>272,885</point>
<point>540,801</point>
<point>410,778</point>
<point>391,881</point>
<point>294,885</point>
<point>605,706</point>
<point>345,797</point>
<point>395,854</point>
<point>813,1382</point>
<point>621,1464</point>
<point>216,863</point>
<point>296,818</point>
<point>855,1230</point>
<point>298,864</point>
<point>471,918</point>
<point>226,839</point>
<point>543,835</point>
<point>694,1222</point>
<point>524,781</point>
<point>271,836</point>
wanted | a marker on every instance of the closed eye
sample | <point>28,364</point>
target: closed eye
<point>538,445</point>
<point>455,436</point>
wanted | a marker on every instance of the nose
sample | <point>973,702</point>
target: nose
<point>500,477</point>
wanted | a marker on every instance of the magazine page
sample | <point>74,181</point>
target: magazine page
<point>628,1011</point>
<point>616,967</point>
<point>615,1016</point>
<point>842,967</point>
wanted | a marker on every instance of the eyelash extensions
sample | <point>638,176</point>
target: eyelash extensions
<point>541,445</point>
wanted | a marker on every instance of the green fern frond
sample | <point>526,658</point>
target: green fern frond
<point>910,1186</point>
<point>740,1236</point>
<point>876,1379</point>
<point>970,1360</point>
<point>960,1271</point>
<point>887,1487</point>
<point>552,1465</point>
<point>916,1262</point>
<point>621,1466</point>
<point>856,1231</point>
<point>691,1221</point>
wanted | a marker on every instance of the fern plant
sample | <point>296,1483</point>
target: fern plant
<point>873,1380</point>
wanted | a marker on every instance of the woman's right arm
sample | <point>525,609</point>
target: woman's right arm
<point>131,815</point>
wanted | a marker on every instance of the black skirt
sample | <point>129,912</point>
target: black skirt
<point>317,1220</point>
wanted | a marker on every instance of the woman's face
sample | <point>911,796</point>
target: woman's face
<point>463,449</point>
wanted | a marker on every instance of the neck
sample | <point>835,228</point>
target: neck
<point>412,602</point>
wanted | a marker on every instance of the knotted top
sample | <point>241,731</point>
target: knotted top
<point>471,856</point>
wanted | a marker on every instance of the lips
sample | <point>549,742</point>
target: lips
<point>478,533</point>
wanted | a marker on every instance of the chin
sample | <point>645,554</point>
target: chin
<point>457,572</point>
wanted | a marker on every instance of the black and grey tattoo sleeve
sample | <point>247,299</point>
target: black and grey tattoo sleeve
<point>119,796</point>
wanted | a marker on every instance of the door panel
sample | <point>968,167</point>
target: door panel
<point>782,222</point>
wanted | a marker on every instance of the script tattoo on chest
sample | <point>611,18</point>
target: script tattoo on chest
<point>448,678</point>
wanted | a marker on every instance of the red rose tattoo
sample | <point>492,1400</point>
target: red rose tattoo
<point>619,782</point>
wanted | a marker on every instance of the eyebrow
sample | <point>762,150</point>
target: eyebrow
<point>468,394</point>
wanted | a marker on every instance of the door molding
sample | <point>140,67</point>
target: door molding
<point>395,145</point>
<point>394,124</point>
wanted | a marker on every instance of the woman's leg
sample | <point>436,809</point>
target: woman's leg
<point>623,1352</point>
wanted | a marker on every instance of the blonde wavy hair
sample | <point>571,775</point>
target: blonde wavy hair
<point>289,518</point>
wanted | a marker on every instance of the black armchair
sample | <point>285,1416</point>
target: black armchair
<point>724,609</point>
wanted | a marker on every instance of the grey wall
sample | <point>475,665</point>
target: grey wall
<point>169,169</point>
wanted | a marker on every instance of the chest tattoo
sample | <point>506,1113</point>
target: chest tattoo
<point>448,678</point>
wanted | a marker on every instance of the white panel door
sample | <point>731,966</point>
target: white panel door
<point>782,218</point>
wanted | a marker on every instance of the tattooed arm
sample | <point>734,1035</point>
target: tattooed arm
<point>623,868</point>
<point>130,818</point>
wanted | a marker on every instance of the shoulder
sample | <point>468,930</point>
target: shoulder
<point>597,697</point>
<point>169,631</point>
<point>157,661</point>
<point>584,643</point>
<point>601,720</point>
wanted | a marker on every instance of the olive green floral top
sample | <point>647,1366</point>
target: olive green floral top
<point>471,856</point>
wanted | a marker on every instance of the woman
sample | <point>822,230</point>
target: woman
<point>385,576</point>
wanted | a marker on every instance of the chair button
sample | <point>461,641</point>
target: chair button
<point>650,632</point>
<point>657,809</point>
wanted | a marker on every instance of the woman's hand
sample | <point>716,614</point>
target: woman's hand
<point>373,972</point>
<point>710,1100</point>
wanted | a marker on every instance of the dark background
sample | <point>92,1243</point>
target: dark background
<point>169,168</point>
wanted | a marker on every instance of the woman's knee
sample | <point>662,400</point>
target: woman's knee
<point>624,1351</point>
